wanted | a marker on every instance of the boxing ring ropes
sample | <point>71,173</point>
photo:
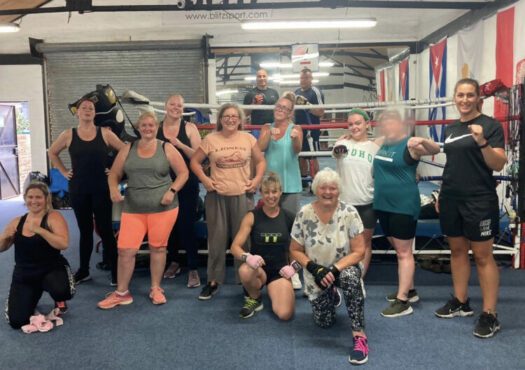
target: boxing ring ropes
<point>516,226</point>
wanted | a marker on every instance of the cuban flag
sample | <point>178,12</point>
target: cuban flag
<point>403,80</point>
<point>438,86</point>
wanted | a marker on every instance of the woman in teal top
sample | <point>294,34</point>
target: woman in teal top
<point>282,142</point>
<point>396,201</point>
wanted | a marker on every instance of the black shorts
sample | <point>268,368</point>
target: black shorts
<point>368,215</point>
<point>272,274</point>
<point>475,219</point>
<point>397,225</point>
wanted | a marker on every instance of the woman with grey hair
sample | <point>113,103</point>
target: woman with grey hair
<point>327,239</point>
<point>231,153</point>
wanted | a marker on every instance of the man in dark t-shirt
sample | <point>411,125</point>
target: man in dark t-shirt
<point>262,95</point>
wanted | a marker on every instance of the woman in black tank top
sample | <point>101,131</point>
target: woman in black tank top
<point>88,147</point>
<point>38,237</point>
<point>186,138</point>
<point>269,228</point>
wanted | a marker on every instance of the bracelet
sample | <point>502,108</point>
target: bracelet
<point>173,191</point>
<point>244,256</point>
<point>484,145</point>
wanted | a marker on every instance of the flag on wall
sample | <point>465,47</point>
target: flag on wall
<point>470,52</point>
<point>390,84</point>
<point>519,43</point>
<point>438,86</point>
<point>381,94</point>
<point>403,80</point>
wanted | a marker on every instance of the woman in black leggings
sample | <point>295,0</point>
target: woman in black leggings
<point>38,237</point>
<point>88,147</point>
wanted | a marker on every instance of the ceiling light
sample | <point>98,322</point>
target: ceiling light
<point>289,65</point>
<point>226,92</point>
<point>9,27</point>
<point>296,75</point>
<point>293,82</point>
<point>326,64</point>
<point>287,25</point>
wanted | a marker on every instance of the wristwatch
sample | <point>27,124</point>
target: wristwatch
<point>173,191</point>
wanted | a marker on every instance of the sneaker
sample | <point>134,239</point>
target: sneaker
<point>62,307</point>
<point>156,294</point>
<point>172,271</point>
<point>412,296</point>
<point>487,325</point>
<point>112,280</point>
<point>208,291</point>
<point>103,266</point>
<point>359,352</point>
<point>454,308</point>
<point>81,276</point>
<point>251,306</point>
<point>296,282</point>
<point>194,280</point>
<point>115,299</point>
<point>397,308</point>
<point>336,294</point>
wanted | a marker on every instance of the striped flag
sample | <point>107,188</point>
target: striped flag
<point>381,93</point>
<point>438,86</point>
<point>403,80</point>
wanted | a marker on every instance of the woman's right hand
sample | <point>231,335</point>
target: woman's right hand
<point>68,174</point>
<point>115,195</point>
<point>209,184</point>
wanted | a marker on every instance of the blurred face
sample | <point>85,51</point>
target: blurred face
<point>271,195</point>
<point>230,120</point>
<point>392,129</point>
<point>148,128</point>
<point>305,80</point>
<point>35,200</point>
<point>261,79</point>
<point>283,110</point>
<point>175,107</point>
<point>327,194</point>
<point>357,126</point>
<point>466,99</point>
<point>86,111</point>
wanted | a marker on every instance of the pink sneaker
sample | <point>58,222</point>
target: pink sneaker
<point>157,296</point>
<point>114,299</point>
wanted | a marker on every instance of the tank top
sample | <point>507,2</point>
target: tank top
<point>35,251</point>
<point>283,160</point>
<point>89,160</point>
<point>395,187</point>
<point>183,137</point>
<point>148,180</point>
<point>270,237</point>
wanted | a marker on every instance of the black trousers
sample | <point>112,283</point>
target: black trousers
<point>87,206</point>
<point>27,287</point>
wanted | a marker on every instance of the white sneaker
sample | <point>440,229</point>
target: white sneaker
<point>296,282</point>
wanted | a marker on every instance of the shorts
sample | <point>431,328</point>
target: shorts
<point>368,215</point>
<point>158,226</point>
<point>397,225</point>
<point>272,274</point>
<point>476,219</point>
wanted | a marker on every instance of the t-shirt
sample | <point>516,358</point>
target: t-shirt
<point>466,174</point>
<point>270,237</point>
<point>260,117</point>
<point>355,170</point>
<point>395,187</point>
<point>230,160</point>
<point>305,117</point>
<point>325,244</point>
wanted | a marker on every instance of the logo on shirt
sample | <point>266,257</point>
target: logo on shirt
<point>451,139</point>
<point>234,160</point>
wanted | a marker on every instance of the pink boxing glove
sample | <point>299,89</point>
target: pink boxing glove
<point>290,270</point>
<point>254,261</point>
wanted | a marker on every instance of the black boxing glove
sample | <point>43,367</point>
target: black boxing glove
<point>318,272</point>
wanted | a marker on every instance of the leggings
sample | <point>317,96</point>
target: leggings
<point>99,205</point>
<point>323,307</point>
<point>183,233</point>
<point>27,287</point>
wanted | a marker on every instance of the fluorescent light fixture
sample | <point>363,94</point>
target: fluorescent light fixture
<point>253,78</point>
<point>296,75</point>
<point>326,64</point>
<point>9,27</point>
<point>226,92</point>
<point>294,82</point>
<point>293,25</point>
<point>289,65</point>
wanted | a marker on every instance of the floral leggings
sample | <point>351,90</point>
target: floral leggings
<point>323,307</point>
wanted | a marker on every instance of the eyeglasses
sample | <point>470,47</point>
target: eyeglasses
<point>282,108</point>
<point>230,118</point>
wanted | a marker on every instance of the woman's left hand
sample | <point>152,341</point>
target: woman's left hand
<point>34,228</point>
<point>167,198</point>
<point>251,186</point>
<point>477,134</point>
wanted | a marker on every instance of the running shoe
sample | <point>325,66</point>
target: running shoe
<point>487,325</point>
<point>172,271</point>
<point>103,266</point>
<point>194,280</point>
<point>454,308</point>
<point>359,352</point>
<point>251,306</point>
<point>115,299</point>
<point>81,276</point>
<point>156,294</point>
<point>208,291</point>
<point>412,296</point>
<point>397,308</point>
<point>62,307</point>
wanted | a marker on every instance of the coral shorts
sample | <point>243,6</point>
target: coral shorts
<point>158,226</point>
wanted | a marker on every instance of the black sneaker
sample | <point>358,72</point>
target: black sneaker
<point>359,352</point>
<point>412,296</point>
<point>112,280</point>
<point>454,308</point>
<point>61,306</point>
<point>208,291</point>
<point>251,306</point>
<point>81,276</point>
<point>103,266</point>
<point>487,325</point>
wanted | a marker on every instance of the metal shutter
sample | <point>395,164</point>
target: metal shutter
<point>154,69</point>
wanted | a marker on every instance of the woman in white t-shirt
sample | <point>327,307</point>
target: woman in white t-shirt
<point>354,154</point>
